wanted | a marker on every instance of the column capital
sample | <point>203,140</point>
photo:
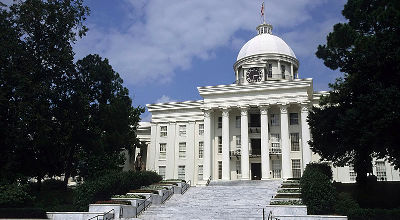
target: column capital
<point>225,112</point>
<point>264,109</point>
<point>283,107</point>
<point>207,113</point>
<point>305,107</point>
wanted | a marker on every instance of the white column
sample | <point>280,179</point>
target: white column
<point>279,70</point>
<point>225,145</point>
<point>264,143</point>
<point>291,71</point>
<point>244,132</point>
<point>286,163</point>
<point>207,165</point>
<point>152,150</point>
<point>305,135</point>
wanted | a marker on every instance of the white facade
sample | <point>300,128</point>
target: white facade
<point>253,129</point>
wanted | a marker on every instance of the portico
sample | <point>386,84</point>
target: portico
<point>272,148</point>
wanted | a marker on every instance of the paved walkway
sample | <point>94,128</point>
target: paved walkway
<point>219,200</point>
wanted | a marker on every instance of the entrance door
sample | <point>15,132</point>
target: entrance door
<point>256,171</point>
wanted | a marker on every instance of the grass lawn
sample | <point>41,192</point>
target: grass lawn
<point>384,195</point>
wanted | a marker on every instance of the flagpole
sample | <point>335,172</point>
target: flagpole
<point>264,11</point>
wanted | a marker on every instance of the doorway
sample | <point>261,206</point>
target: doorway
<point>255,147</point>
<point>256,171</point>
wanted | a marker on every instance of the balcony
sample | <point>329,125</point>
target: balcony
<point>275,150</point>
<point>235,153</point>
<point>254,130</point>
<point>276,173</point>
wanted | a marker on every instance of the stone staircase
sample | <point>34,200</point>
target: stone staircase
<point>219,200</point>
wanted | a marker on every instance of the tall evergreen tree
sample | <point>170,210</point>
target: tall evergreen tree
<point>360,117</point>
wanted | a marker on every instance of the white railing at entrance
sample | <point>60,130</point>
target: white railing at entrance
<point>276,173</point>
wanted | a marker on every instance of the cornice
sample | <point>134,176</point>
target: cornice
<point>175,105</point>
<point>255,87</point>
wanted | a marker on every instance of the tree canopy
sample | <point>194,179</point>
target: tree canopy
<point>360,117</point>
<point>58,117</point>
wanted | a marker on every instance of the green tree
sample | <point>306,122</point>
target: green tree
<point>360,117</point>
<point>102,108</point>
<point>58,117</point>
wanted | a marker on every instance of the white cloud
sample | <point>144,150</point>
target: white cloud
<point>169,34</point>
<point>165,99</point>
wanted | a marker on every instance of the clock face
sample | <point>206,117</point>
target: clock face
<point>254,75</point>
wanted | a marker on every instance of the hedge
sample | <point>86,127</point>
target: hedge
<point>112,183</point>
<point>15,196</point>
<point>324,168</point>
<point>374,214</point>
<point>317,191</point>
<point>21,213</point>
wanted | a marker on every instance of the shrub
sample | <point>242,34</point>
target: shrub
<point>374,214</point>
<point>317,191</point>
<point>345,203</point>
<point>324,168</point>
<point>14,195</point>
<point>110,184</point>
<point>21,213</point>
<point>53,184</point>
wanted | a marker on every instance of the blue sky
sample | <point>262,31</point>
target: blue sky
<point>165,49</point>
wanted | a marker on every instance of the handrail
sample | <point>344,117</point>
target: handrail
<point>169,194</point>
<point>104,214</point>
<point>208,181</point>
<point>270,216</point>
<point>186,187</point>
<point>144,206</point>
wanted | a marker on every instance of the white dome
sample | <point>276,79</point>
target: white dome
<point>265,43</point>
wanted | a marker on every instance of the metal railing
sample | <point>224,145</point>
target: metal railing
<point>270,216</point>
<point>276,173</point>
<point>186,187</point>
<point>104,215</point>
<point>145,206</point>
<point>275,150</point>
<point>166,196</point>
<point>208,181</point>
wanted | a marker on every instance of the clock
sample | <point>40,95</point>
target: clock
<point>254,75</point>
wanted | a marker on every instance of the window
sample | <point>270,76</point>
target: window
<point>200,173</point>
<point>274,119</point>
<point>219,169</point>
<point>182,149</point>
<point>220,144</point>
<point>163,131</point>
<point>182,130</point>
<point>352,174</point>
<point>283,70</point>
<point>381,170</point>
<point>161,171</point>
<point>294,118</point>
<point>201,129</point>
<point>238,141</point>
<point>269,70</point>
<point>296,168</point>
<point>219,122</point>
<point>181,172</point>
<point>163,151</point>
<point>238,122</point>
<point>201,149</point>
<point>238,167</point>
<point>294,142</point>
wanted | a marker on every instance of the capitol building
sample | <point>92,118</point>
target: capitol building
<point>254,129</point>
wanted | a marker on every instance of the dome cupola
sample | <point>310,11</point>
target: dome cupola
<point>265,57</point>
